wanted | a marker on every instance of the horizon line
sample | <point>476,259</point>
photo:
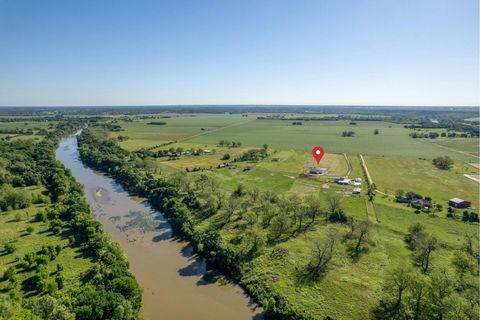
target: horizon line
<point>239,105</point>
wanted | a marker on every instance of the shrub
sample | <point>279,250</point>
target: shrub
<point>10,248</point>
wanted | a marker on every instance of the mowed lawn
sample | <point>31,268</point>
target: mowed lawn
<point>420,176</point>
<point>393,140</point>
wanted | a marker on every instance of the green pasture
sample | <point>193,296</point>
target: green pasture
<point>265,180</point>
<point>398,218</point>
<point>421,176</point>
<point>467,145</point>
<point>142,135</point>
<point>26,125</point>
<point>393,140</point>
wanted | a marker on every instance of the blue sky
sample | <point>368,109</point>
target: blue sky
<point>119,52</point>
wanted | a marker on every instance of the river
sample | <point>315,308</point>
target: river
<point>176,283</point>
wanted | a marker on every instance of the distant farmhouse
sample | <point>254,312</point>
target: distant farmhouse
<point>414,200</point>
<point>459,203</point>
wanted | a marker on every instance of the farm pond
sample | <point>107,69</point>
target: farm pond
<point>176,283</point>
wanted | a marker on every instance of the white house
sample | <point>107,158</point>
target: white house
<point>318,171</point>
<point>344,181</point>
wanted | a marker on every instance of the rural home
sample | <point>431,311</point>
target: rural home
<point>318,171</point>
<point>344,181</point>
<point>401,199</point>
<point>420,203</point>
<point>458,203</point>
<point>414,201</point>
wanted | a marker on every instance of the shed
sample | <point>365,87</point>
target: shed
<point>356,191</point>
<point>459,203</point>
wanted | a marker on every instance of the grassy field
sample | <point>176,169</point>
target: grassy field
<point>26,125</point>
<point>394,173</point>
<point>143,135</point>
<point>467,145</point>
<point>393,139</point>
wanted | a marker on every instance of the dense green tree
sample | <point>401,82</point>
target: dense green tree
<point>443,163</point>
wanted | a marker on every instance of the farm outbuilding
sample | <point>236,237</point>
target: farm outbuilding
<point>459,203</point>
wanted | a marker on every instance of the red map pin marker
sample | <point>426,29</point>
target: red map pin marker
<point>318,153</point>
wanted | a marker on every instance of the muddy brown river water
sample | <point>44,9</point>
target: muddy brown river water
<point>176,283</point>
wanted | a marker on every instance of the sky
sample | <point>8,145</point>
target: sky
<point>323,52</point>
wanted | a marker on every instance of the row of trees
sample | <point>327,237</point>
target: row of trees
<point>230,144</point>
<point>434,135</point>
<point>253,155</point>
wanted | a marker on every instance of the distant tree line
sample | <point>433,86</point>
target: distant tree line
<point>230,144</point>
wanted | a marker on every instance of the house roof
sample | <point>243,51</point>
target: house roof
<point>457,200</point>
